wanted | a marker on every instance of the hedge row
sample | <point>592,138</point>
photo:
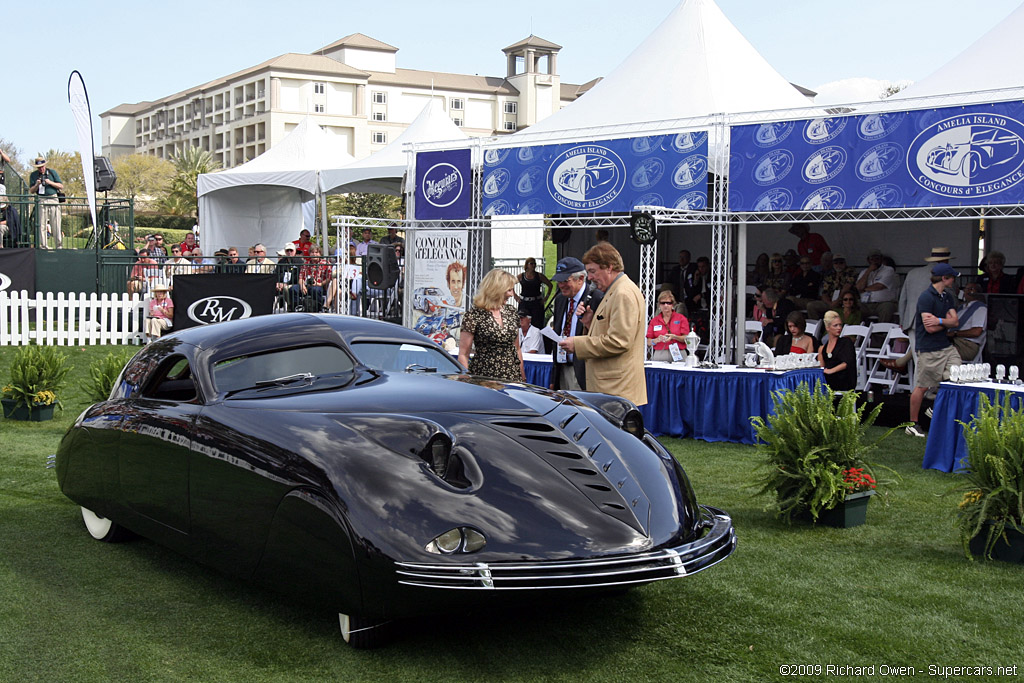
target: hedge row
<point>159,221</point>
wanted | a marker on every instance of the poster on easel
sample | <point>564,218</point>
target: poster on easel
<point>439,284</point>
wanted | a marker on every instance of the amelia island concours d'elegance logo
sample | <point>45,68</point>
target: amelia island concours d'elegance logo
<point>585,177</point>
<point>217,309</point>
<point>442,184</point>
<point>972,155</point>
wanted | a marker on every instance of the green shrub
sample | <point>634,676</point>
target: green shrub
<point>37,374</point>
<point>809,444</point>
<point>104,372</point>
<point>994,494</point>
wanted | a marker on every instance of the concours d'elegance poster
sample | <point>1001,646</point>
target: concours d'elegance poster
<point>439,284</point>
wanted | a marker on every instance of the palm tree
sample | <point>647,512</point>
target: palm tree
<point>182,199</point>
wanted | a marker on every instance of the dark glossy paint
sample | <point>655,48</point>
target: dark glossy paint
<point>321,492</point>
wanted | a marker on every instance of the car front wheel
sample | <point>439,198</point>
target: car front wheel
<point>103,529</point>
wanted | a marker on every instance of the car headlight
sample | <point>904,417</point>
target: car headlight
<point>461,539</point>
<point>438,454</point>
<point>633,423</point>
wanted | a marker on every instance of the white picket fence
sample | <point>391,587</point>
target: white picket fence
<point>68,319</point>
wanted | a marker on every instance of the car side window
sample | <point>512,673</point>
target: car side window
<point>172,381</point>
<point>245,372</point>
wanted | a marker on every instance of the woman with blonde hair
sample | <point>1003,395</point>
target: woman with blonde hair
<point>491,326</point>
<point>837,355</point>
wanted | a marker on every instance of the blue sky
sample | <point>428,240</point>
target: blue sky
<point>134,51</point>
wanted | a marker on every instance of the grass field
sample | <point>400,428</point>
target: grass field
<point>896,592</point>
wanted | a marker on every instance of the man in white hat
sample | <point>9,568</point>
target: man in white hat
<point>45,183</point>
<point>918,280</point>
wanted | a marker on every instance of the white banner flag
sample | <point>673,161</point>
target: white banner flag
<point>79,100</point>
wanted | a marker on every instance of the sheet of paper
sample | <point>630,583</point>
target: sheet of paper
<point>551,334</point>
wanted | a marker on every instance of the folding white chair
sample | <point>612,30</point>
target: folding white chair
<point>812,328</point>
<point>894,346</point>
<point>859,335</point>
<point>977,358</point>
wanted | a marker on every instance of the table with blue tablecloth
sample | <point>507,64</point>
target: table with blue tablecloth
<point>946,449</point>
<point>696,403</point>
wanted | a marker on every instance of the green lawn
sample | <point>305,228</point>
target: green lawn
<point>896,592</point>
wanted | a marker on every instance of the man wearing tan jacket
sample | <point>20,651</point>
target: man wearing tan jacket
<point>614,349</point>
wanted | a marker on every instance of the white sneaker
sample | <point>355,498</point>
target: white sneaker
<point>914,430</point>
<point>928,412</point>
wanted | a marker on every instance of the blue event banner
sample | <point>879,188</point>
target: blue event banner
<point>956,156</point>
<point>607,176</point>
<point>443,185</point>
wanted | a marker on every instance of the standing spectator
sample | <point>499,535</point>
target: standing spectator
<point>833,287</point>
<point>825,268</point>
<point>534,287</point>
<point>614,349</point>
<point>490,327</point>
<point>364,245</point>
<point>996,280</point>
<point>681,274</point>
<point>805,286</point>
<point>917,281</point>
<point>569,373</point>
<point>666,328</point>
<point>969,335</point>
<point>45,183</point>
<point>935,353</point>
<point>259,263</point>
<point>811,244</point>
<point>530,340</point>
<point>4,228</point>
<point>303,245</point>
<point>837,356</point>
<point>158,250</point>
<point>877,284</point>
<point>392,237</point>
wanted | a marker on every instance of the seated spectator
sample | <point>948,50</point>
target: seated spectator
<point>760,271</point>
<point>778,279</point>
<point>825,268</point>
<point>849,312</point>
<point>530,340</point>
<point>303,244</point>
<point>774,312</point>
<point>837,355</point>
<point>157,248</point>
<point>259,263</point>
<point>190,242</point>
<point>201,264</point>
<point>288,267</point>
<point>969,336</point>
<point>805,286</point>
<point>392,237</point>
<point>142,273</point>
<point>833,287</point>
<point>791,261</point>
<point>796,339</point>
<point>175,265</point>
<point>232,263</point>
<point>161,313</point>
<point>996,280</point>
<point>314,279</point>
<point>879,288</point>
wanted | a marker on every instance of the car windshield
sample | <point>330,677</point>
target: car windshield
<point>289,367</point>
<point>404,357</point>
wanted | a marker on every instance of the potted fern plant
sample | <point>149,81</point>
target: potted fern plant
<point>813,448</point>
<point>37,374</point>
<point>991,512</point>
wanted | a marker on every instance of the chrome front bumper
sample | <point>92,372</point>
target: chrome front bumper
<point>621,570</point>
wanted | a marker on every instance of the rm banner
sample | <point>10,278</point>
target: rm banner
<point>443,185</point>
<point>605,176</point>
<point>18,270</point>
<point>957,156</point>
<point>216,297</point>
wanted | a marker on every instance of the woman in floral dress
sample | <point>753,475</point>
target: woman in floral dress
<point>491,327</point>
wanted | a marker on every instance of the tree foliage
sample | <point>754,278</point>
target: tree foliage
<point>142,177</point>
<point>15,153</point>
<point>365,204</point>
<point>68,166</point>
<point>182,199</point>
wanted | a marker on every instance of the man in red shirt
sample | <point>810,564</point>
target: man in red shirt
<point>811,244</point>
<point>303,244</point>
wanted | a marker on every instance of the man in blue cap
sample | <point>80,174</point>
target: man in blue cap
<point>936,313</point>
<point>569,372</point>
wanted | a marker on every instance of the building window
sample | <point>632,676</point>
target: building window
<point>379,138</point>
<point>511,108</point>
<point>318,108</point>
<point>510,125</point>
<point>380,116</point>
<point>457,104</point>
<point>318,88</point>
<point>457,120</point>
<point>380,98</point>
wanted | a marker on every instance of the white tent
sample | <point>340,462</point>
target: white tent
<point>262,200</point>
<point>696,63</point>
<point>990,63</point>
<point>382,171</point>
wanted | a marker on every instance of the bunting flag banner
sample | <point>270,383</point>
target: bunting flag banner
<point>950,157</point>
<point>78,98</point>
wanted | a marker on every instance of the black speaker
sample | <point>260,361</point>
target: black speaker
<point>105,176</point>
<point>381,266</point>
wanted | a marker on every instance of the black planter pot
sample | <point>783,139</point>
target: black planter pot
<point>853,511</point>
<point>1010,549</point>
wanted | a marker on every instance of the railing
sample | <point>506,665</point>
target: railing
<point>40,223</point>
<point>71,319</point>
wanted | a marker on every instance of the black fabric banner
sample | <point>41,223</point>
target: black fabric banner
<point>18,270</point>
<point>215,297</point>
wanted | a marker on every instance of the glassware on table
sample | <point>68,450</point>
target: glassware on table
<point>1000,372</point>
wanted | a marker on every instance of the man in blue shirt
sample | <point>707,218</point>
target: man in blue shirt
<point>936,313</point>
